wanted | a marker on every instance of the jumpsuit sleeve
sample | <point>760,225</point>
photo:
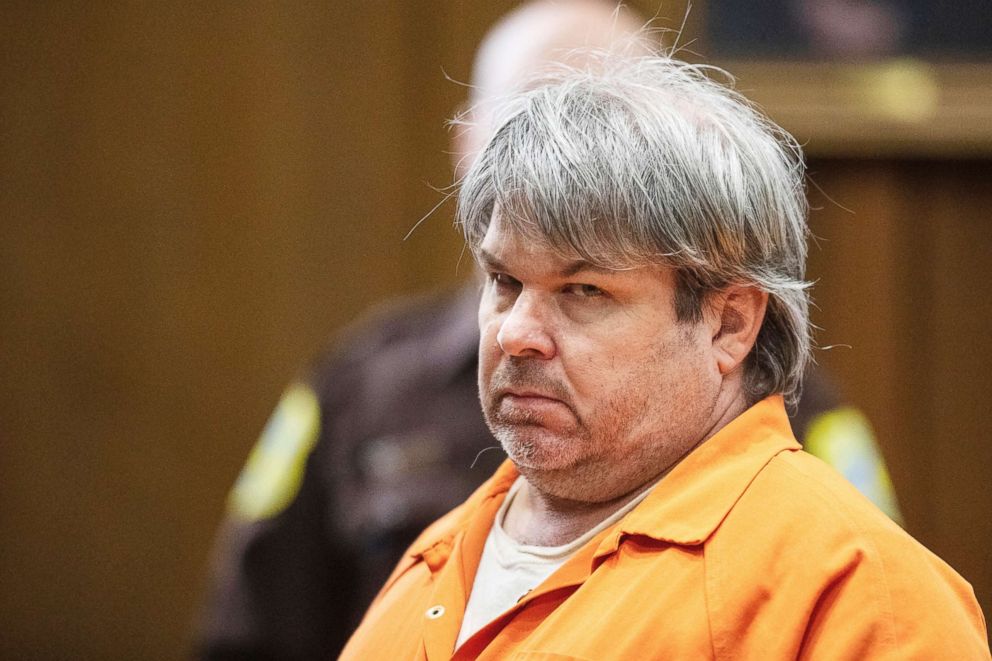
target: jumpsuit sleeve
<point>899,602</point>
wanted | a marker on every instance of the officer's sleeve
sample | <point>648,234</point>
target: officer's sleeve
<point>281,582</point>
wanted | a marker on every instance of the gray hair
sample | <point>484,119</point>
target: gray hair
<point>649,160</point>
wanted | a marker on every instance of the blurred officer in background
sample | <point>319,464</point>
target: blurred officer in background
<point>384,433</point>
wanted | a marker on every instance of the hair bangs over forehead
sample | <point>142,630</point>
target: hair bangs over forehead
<point>559,172</point>
<point>636,161</point>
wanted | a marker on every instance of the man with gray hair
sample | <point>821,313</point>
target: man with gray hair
<point>644,319</point>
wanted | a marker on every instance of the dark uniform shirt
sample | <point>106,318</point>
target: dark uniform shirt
<point>383,435</point>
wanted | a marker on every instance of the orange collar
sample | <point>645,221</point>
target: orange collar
<point>690,502</point>
<point>685,508</point>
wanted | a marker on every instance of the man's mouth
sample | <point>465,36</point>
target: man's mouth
<point>531,403</point>
<point>523,394</point>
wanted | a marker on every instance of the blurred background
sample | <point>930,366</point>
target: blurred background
<point>194,196</point>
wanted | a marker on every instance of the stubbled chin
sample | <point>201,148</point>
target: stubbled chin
<point>535,447</point>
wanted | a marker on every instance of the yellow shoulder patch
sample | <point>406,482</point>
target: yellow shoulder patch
<point>273,473</point>
<point>843,438</point>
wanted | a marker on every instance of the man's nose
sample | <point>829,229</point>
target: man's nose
<point>525,330</point>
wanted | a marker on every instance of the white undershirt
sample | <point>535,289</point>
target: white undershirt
<point>509,570</point>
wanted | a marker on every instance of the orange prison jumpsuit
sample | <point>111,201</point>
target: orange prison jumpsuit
<point>748,549</point>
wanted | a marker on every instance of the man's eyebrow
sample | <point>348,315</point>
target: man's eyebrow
<point>490,261</point>
<point>580,265</point>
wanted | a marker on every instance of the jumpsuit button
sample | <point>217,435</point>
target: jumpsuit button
<point>435,612</point>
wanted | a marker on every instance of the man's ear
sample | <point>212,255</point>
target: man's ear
<point>737,313</point>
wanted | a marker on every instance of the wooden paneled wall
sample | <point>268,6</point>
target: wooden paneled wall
<point>904,288</point>
<point>194,195</point>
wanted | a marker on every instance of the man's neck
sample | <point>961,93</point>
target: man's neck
<point>539,518</point>
<point>536,518</point>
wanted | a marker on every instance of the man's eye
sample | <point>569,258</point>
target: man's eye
<point>586,291</point>
<point>503,281</point>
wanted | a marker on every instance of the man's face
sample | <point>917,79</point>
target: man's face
<point>586,377</point>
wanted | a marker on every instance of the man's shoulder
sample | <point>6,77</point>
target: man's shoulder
<point>806,548</point>
<point>805,522</point>
<point>798,493</point>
